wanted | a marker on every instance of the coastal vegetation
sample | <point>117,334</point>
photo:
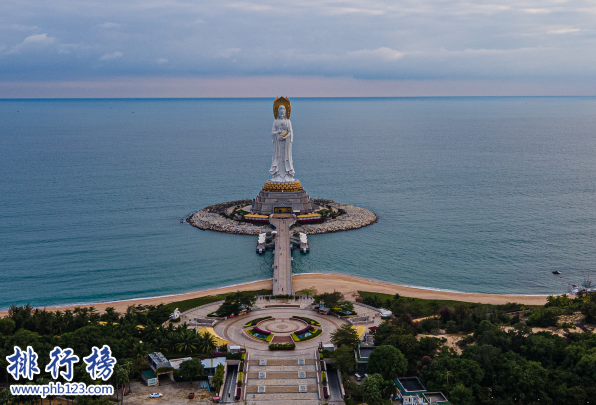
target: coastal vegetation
<point>130,335</point>
<point>499,360</point>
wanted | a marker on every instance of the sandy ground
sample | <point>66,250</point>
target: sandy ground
<point>328,283</point>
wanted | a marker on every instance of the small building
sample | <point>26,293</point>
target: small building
<point>235,349</point>
<point>209,364</point>
<point>156,360</point>
<point>413,392</point>
<point>436,398</point>
<point>149,377</point>
<point>329,347</point>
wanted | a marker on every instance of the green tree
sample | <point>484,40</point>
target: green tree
<point>345,335</point>
<point>460,395</point>
<point>191,368</point>
<point>7,326</point>
<point>207,342</point>
<point>345,360</point>
<point>589,311</point>
<point>218,378</point>
<point>330,300</point>
<point>371,390</point>
<point>387,361</point>
<point>187,341</point>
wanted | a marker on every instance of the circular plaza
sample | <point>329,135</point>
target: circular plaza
<point>252,331</point>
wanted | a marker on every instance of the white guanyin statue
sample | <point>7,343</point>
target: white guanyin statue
<point>282,167</point>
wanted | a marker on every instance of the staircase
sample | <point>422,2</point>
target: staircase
<point>282,381</point>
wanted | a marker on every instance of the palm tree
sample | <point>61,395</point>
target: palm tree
<point>187,341</point>
<point>207,342</point>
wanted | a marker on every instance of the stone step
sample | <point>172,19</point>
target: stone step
<point>281,362</point>
<point>291,402</point>
<point>256,369</point>
<point>281,381</point>
<point>277,389</point>
<point>286,374</point>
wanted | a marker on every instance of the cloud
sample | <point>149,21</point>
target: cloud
<point>384,53</point>
<point>111,56</point>
<point>108,25</point>
<point>33,42</point>
<point>39,39</point>
<point>161,60</point>
<point>537,10</point>
<point>249,6</point>
<point>564,31</point>
<point>227,53</point>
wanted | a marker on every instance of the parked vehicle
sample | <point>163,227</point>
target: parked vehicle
<point>156,395</point>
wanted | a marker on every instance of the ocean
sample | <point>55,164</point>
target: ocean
<point>474,194</point>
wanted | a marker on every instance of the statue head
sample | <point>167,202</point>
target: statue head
<point>281,112</point>
<point>282,102</point>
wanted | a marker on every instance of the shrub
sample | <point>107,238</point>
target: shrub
<point>240,376</point>
<point>314,334</point>
<point>233,356</point>
<point>243,357</point>
<point>307,320</point>
<point>268,339</point>
<point>282,346</point>
<point>544,318</point>
<point>451,327</point>
<point>324,377</point>
<point>257,320</point>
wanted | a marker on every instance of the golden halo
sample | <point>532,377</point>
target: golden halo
<point>282,101</point>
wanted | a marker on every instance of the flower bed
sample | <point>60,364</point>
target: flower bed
<point>261,331</point>
<point>258,334</point>
<point>282,346</point>
<point>298,337</point>
<point>307,320</point>
<point>257,320</point>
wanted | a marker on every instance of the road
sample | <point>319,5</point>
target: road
<point>282,263</point>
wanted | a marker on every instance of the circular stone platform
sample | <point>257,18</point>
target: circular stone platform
<point>209,218</point>
<point>279,326</point>
<point>232,329</point>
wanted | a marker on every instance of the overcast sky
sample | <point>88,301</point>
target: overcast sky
<point>204,48</point>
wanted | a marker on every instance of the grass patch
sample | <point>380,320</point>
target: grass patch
<point>185,305</point>
<point>257,320</point>
<point>307,320</point>
<point>313,335</point>
<point>424,307</point>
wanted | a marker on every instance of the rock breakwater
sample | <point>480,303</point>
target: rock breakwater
<point>210,218</point>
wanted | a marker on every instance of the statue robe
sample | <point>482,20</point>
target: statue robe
<point>282,167</point>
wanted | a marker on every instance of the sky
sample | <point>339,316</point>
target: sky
<point>260,48</point>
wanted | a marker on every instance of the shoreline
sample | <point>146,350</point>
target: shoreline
<point>324,282</point>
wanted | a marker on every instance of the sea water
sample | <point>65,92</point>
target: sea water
<point>473,194</point>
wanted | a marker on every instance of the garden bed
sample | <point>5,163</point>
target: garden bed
<point>257,320</point>
<point>307,320</point>
<point>306,334</point>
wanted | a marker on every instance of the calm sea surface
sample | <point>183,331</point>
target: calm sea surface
<point>473,194</point>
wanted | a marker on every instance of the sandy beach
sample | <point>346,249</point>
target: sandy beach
<point>326,283</point>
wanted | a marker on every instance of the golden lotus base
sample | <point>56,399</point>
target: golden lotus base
<point>282,187</point>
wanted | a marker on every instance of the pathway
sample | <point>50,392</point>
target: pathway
<point>282,263</point>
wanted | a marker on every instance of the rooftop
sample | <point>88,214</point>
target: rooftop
<point>411,384</point>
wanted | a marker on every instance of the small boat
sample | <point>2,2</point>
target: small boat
<point>556,272</point>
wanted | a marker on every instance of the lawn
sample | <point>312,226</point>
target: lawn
<point>185,305</point>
